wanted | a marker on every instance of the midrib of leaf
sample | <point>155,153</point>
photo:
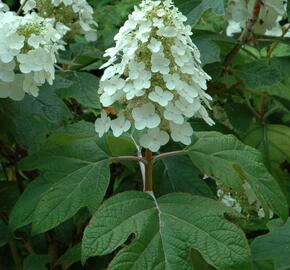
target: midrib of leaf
<point>73,159</point>
<point>75,171</point>
<point>160,230</point>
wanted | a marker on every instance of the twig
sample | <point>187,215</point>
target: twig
<point>249,53</point>
<point>243,39</point>
<point>60,68</point>
<point>262,107</point>
<point>28,247</point>
<point>231,55</point>
<point>251,107</point>
<point>251,22</point>
<point>275,44</point>
<point>19,180</point>
<point>52,246</point>
<point>270,112</point>
<point>226,88</point>
<point>15,255</point>
<point>169,154</point>
<point>21,7</point>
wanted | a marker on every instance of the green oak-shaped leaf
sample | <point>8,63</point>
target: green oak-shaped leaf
<point>229,161</point>
<point>79,170</point>
<point>274,246</point>
<point>165,230</point>
<point>29,121</point>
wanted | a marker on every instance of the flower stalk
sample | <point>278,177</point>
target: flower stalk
<point>21,7</point>
<point>244,37</point>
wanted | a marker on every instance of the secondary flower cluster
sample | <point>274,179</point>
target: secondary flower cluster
<point>75,14</point>
<point>271,12</point>
<point>28,45</point>
<point>154,79</point>
<point>247,203</point>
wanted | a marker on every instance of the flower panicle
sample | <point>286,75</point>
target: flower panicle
<point>270,13</point>
<point>154,78</point>
<point>28,48</point>
<point>72,13</point>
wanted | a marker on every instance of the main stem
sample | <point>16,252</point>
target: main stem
<point>243,39</point>
<point>148,187</point>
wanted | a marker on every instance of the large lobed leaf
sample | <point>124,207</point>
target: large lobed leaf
<point>267,75</point>
<point>75,175</point>
<point>29,121</point>
<point>165,230</point>
<point>232,163</point>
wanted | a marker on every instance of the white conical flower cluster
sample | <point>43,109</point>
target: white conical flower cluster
<point>28,45</point>
<point>75,14</point>
<point>154,77</point>
<point>271,12</point>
